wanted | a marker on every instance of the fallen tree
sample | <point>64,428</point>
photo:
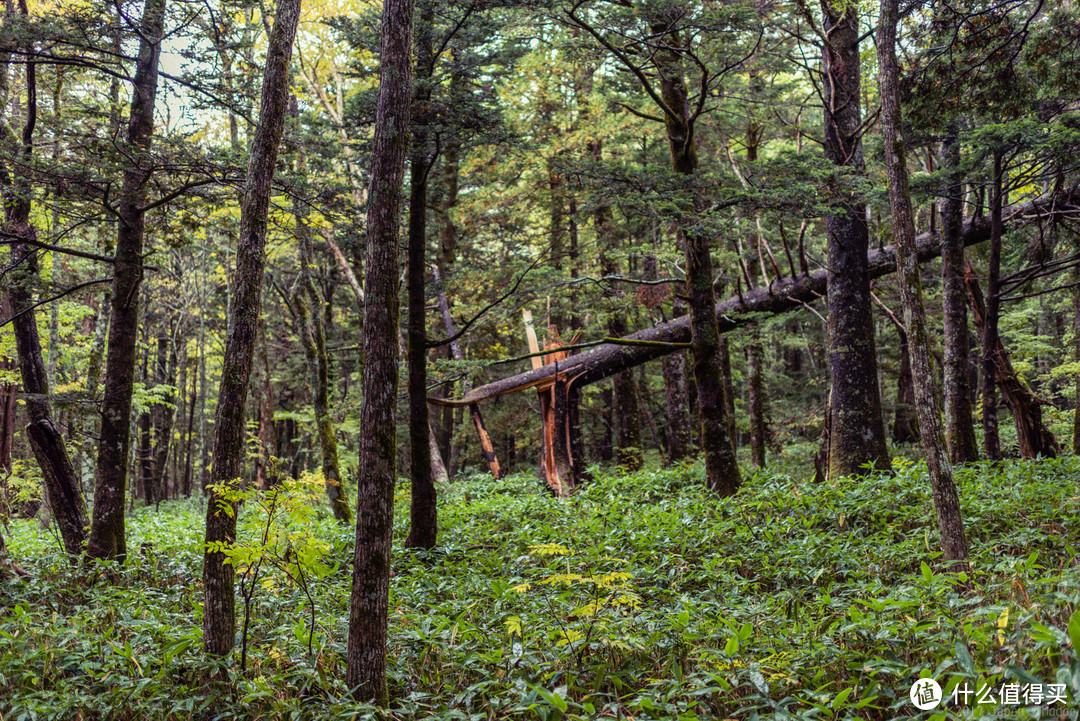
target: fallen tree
<point>781,296</point>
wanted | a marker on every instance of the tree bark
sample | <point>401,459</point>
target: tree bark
<point>366,662</point>
<point>189,437</point>
<point>959,423</point>
<point>1076,359</point>
<point>625,411</point>
<point>605,444</point>
<point>266,473</point>
<point>219,611</point>
<point>314,342</point>
<point>857,429</point>
<point>946,501</point>
<point>144,452</point>
<point>8,397</point>
<point>107,534</point>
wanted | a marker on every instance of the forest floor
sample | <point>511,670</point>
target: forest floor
<point>642,597</point>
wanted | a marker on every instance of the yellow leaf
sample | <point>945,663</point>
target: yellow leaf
<point>549,549</point>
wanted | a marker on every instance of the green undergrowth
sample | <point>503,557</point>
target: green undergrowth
<point>642,597</point>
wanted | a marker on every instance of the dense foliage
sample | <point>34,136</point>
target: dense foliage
<point>642,596</point>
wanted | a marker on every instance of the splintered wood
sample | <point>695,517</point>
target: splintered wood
<point>556,461</point>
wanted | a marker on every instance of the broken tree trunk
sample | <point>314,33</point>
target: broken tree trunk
<point>1034,437</point>
<point>782,296</point>
<point>555,463</point>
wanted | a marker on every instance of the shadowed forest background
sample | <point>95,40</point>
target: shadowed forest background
<point>591,359</point>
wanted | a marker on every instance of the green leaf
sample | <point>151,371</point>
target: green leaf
<point>838,702</point>
<point>964,657</point>
<point>1074,631</point>
<point>927,574</point>
<point>552,698</point>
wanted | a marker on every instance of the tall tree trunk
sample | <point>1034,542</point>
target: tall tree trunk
<point>61,485</point>
<point>605,446</point>
<point>990,339</point>
<point>626,415</point>
<point>266,474</point>
<point>107,535</point>
<point>8,408</point>
<point>857,430</point>
<point>204,452</point>
<point>756,398</point>
<point>438,469</point>
<point>754,352</point>
<point>946,502</point>
<point>487,447</point>
<point>189,437</point>
<point>1034,438</point>
<point>219,610</point>
<point>676,404</point>
<point>163,424</point>
<point>905,423</point>
<point>313,336</point>
<point>365,671</point>
<point>1076,359</point>
<point>959,423</point>
<point>423,508</point>
<point>721,467</point>
<point>93,374</point>
<point>144,452</point>
<point>627,412</point>
<point>445,258</point>
<point>314,342</point>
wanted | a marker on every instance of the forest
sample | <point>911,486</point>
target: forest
<point>543,359</point>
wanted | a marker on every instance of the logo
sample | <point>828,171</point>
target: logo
<point>925,694</point>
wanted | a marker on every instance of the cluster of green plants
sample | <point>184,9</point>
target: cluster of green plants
<point>643,596</point>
